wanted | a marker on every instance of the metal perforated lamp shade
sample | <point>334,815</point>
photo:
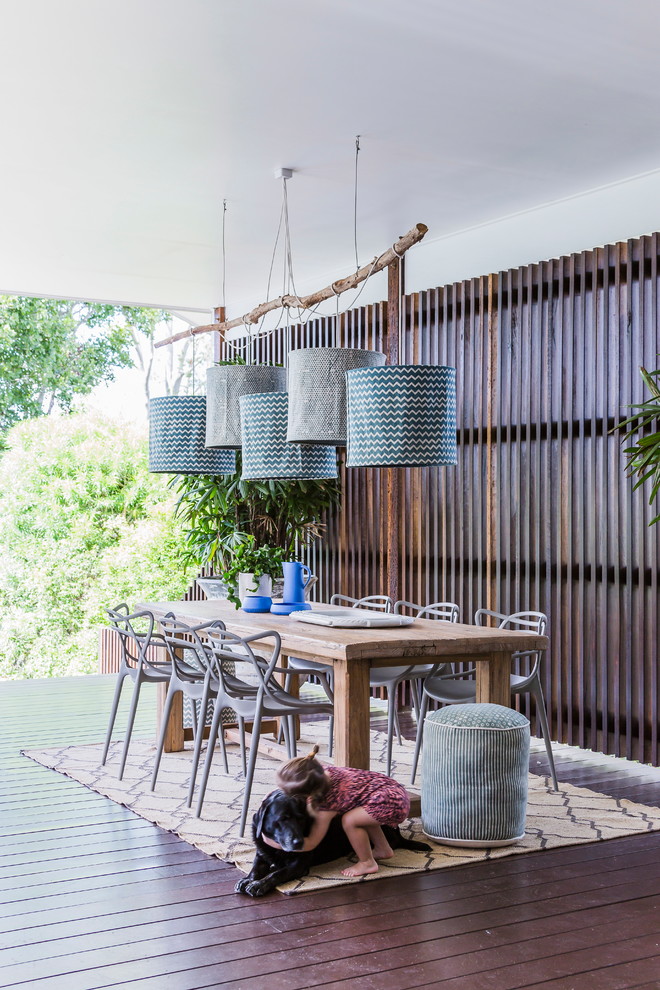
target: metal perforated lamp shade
<point>317,391</point>
<point>224,386</point>
<point>177,425</point>
<point>266,453</point>
<point>401,416</point>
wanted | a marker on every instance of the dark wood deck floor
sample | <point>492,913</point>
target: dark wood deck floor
<point>92,896</point>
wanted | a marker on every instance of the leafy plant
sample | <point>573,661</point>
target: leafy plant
<point>250,558</point>
<point>644,454</point>
<point>225,516</point>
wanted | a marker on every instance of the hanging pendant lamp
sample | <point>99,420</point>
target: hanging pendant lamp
<point>266,453</point>
<point>401,416</point>
<point>177,425</point>
<point>317,391</point>
<point>224,386</point>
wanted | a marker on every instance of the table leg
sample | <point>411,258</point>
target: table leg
<point>493,683</point>
<point>174,740</point>
<point>351,715</point>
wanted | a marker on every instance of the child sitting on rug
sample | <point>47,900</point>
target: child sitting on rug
<point>364,799</point>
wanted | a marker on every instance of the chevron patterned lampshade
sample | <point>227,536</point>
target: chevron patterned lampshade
<point>224,386</point>
<point>317,391</point>
<point>177,425</point>
<point>401,416</point>
<point>266,453</point>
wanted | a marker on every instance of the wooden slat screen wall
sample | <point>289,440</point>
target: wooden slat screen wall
<point>538,513</point>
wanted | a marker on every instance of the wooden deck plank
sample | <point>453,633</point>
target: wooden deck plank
<point>89,890</point>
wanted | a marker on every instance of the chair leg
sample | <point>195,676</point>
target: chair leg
<point>199,737</point>
<point>391,720</point>
<point>420,732</point>
<point>129,724</point>
<point>327,687</point>
<point>213,735</point>
<point>396,718</point>
<point>113,715</point>
<point>254,749</point>
<point>537,691</point>
<point>331,735</point>
<point>241,729</point>
<point>167,707</point>
<point>223,744</point>
<point>416,685</point>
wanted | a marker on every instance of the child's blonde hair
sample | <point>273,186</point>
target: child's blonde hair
<point>304,776</point>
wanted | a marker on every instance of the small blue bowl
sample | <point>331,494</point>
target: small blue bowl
<point>256,603</point>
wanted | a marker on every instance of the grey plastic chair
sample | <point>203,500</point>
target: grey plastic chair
<point>137,638</point>
<point>269,700</point>
<point>391,677</point>
<point>453,689</point>
<point>191,676</point>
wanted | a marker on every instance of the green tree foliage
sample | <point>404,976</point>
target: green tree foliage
<point>83,525</point>
<point>52,350</point>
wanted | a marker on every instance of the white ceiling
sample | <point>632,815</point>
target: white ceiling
<point>125,124</point>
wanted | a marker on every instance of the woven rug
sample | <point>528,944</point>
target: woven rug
<point>573,815</point>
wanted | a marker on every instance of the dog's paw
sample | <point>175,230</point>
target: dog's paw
<point>253,888</point>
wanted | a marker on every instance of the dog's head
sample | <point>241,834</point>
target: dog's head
<point>284,818</point>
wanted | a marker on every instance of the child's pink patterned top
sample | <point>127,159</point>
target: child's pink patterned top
<point>386,800</point>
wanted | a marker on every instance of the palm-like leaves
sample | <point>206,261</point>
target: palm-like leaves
<point>644,429</point>
<point>225,513</point>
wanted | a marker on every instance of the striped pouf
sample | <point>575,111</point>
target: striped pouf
<point>474,775</point>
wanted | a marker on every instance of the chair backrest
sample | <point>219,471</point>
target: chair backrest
<point>528,621</point>
<point>224,646</point>
<point>381,603</point>
<point>186,645</point>
<point>136,635</point>
<point>444,611</point>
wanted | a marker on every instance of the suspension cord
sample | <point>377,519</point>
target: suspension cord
<point>355,202</point>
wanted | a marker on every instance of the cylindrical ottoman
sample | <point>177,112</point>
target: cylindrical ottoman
<point>475,771</point>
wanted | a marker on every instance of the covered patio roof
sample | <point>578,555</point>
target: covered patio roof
<point>515,131</point>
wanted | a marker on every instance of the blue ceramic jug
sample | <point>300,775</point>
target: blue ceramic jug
<point>296,578</point>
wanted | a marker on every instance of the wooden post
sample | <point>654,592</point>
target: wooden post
<point>491,452</point>
<point>392,513</point>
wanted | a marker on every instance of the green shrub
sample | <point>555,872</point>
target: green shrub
<point>83,525</point>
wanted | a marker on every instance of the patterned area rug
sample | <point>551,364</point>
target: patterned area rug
<point>571,816</point>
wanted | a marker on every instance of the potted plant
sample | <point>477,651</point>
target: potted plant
<point>252,570</point>
<point>235,526</point>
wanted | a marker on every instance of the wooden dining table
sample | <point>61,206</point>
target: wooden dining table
<point>352,651</point>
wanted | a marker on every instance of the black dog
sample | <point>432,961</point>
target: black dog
<point>285,819</point>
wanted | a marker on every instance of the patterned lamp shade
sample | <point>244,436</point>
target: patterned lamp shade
<point>401,416</point>
<point>266,453</point>
<point>317,391</point>
<point>177,424</point>
<point>224,386</point>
